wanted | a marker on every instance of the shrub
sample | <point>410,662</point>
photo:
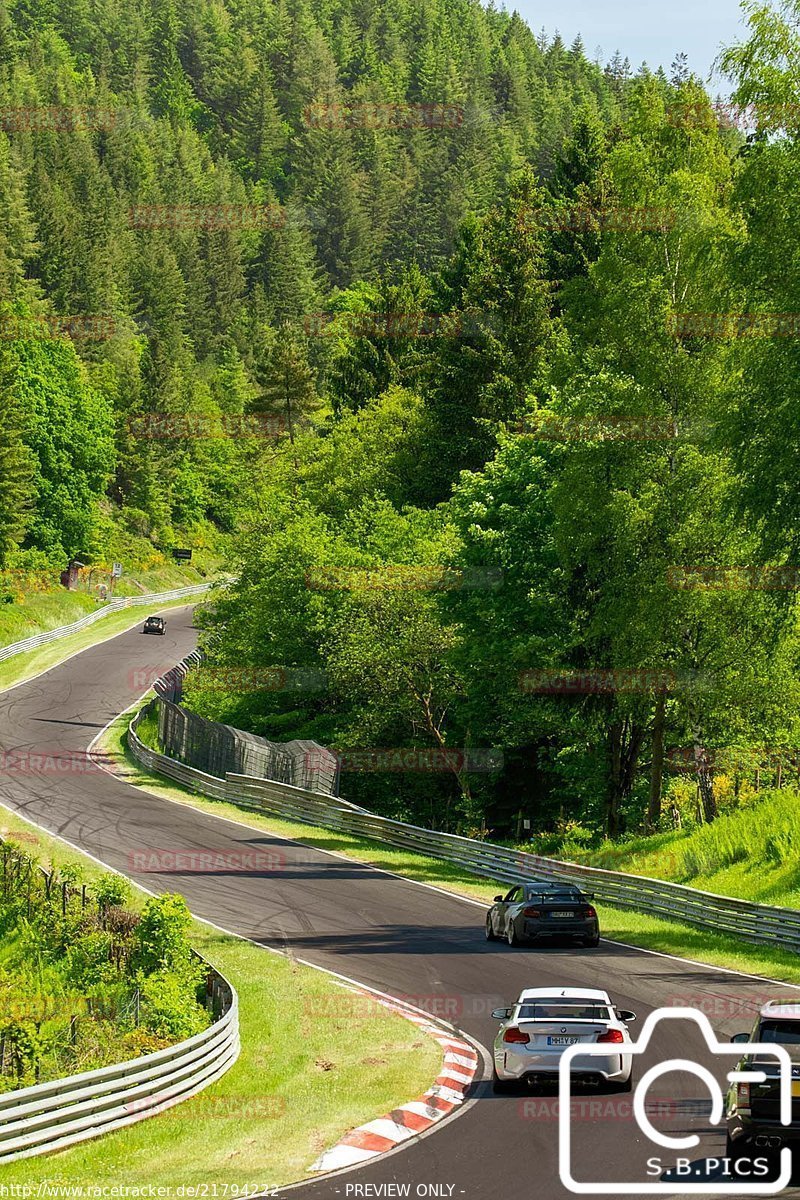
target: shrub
<point>161,936</point>
<point>168,1001</point>
<point>111,890</point>
<point>89,960</point>
<point>20,1048</point>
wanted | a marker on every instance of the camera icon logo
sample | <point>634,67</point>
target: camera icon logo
<point>732,1052</point>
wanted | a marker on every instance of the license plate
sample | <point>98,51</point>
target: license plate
<point>562,1041</point>
<point>562,914</point>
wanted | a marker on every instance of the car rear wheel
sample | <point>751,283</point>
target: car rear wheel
<point>490,934</point>
<point>593,941</point>
<point>625,1085</point>
<point>734,1150</point>
<point>502,1087</point>
<point>511,935</point>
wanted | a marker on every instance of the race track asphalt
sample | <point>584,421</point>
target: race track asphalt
<point>392,934</point>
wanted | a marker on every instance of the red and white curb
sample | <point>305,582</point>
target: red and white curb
<point>459,1065</point>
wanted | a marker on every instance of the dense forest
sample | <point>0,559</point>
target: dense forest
<point>482,356</point>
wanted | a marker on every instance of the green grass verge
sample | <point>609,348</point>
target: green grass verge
<point>26,666</point>
<point>752,852</point>
<point>40,611</point>
<point>315,1062</point>
<point>636,929</point>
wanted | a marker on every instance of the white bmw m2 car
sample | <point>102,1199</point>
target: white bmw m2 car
<point>536,1031</point>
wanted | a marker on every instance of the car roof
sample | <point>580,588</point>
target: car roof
<point>568,993</point>
<point>540,889</point>
<point>786,1010</point>
<point>551,885</point>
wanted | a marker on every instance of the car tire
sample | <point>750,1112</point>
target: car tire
<point>502,1087</point>
<point>625,1085</point>
<point>511,935</point>
<point>491,936</point>
<point>734,1150</point>
<point>593,942</point>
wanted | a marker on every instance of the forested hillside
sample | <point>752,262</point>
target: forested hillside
<point>170,190</point>
<point>486,354</point>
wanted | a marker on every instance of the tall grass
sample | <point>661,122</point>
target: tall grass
<point>752,849</point>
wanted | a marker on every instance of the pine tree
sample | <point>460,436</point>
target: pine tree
<point>679,69</point>
<point>171,92</point>
<point>16,466</point>
<point>287,382</point>
<point>499,300</point>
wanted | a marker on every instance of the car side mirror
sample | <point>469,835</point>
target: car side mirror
<point>500,1014</point>
<point>626,1015</point>
<point>741,1037</point>
<point>497,898</point>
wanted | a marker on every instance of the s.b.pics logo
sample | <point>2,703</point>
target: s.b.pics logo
<point>751,1069</point>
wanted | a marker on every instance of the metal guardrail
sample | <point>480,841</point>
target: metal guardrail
<point>740,919</point>
<point>215,749</point>
<point>50,1116</point>
<point>245,790</point>
<point>151,599</point>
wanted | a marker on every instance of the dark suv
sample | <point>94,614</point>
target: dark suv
<point>753,1109</point>
<point>535,911</point>
<point>155,625</point>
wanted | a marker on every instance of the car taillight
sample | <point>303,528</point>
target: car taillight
<point>743,1095</point>
<point>611,1035</point>
<point>589,912</point>
<point>512,1034</point>
<point>531,912</point>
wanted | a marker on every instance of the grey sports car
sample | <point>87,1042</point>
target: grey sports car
<point>535,911</point>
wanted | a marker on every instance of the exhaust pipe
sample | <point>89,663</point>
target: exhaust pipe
<point>768,1143</point>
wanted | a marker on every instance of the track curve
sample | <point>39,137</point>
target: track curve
<point>390,933</point>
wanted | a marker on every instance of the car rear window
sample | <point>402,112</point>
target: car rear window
<point>785,1033</point>
<point>564,1012</point>
<point>557,897</point>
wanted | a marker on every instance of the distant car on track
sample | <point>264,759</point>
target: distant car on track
<point>537,1030</point>
<point>155,625</point>
<point>535,911</point>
